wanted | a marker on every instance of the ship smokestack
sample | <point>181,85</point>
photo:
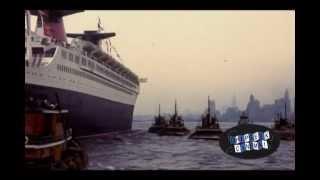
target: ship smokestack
<point>50,23</point>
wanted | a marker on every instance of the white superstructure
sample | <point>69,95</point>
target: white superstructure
<point>80,66</point>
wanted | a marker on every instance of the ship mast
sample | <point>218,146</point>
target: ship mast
<point>214,109</point>
<point>285,110</point>
<point>175,107</point>
<point>159,110</point>
<point>209,112</point>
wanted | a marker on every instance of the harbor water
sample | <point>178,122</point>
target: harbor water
<point>139,150</point>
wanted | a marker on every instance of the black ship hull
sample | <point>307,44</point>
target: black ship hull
<point>89,115</point>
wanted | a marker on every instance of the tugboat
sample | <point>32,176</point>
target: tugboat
<point>283,127</point>
<point>243,119</point>
<point>209,129</point>
<point>176,126</point>
<point>48,138</point>
<point>159,123</point>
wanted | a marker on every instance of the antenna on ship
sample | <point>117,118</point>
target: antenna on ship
<point>209,112</point>
<point>100,28</point>
<point>108,42</point>
<point>175,107</point>
<point>159,110</point>
<point>143,80</point>
<point>214,109</point>
<point>285,110</point>
<point>115,50</point>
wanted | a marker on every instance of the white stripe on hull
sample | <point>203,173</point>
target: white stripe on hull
<point>50,76</point>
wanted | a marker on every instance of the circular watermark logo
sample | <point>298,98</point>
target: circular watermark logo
<point>249,141</point>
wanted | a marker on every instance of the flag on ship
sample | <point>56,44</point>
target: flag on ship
<point>100,28</point>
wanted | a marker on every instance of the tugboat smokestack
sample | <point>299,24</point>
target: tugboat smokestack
<point>285,110</point>
<point>209,111</point>
<point>175,107</point>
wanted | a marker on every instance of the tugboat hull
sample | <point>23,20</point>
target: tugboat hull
<point>208,134</point>
<point>174,131</point>
<point>155,129</point>
<point>287,135</point>
<point>213,137</point>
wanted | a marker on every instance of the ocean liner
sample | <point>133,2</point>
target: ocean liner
<point>97,89</point>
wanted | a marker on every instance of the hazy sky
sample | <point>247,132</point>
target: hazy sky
<point>189,55</point>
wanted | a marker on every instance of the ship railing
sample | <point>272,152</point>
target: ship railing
<point>91,51</point>
<point>113,69</point>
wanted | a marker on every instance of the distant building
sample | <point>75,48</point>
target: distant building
<point>267,113</point>
<point>258,113</point>
<point>253,109</point>
<point>231,114</point>
<point>281,103</point>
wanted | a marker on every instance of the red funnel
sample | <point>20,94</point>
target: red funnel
<point>53,25</point>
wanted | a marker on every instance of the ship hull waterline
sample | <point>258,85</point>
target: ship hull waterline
<point>89,115</point>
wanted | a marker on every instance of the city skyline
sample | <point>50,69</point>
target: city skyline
<point>262,105</point>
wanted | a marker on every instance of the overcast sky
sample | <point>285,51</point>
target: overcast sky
<point>189,55</point>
